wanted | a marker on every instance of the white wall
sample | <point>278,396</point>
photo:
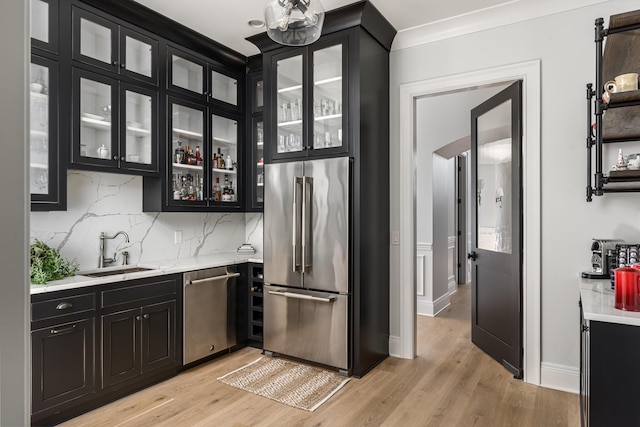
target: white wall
<point>15,369</point>
<point>112,202</point>
<point>564,44</point>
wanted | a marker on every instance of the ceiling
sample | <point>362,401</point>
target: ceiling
<point>227,21</point>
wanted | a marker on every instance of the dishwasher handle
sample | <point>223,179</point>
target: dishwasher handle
<point>302,296</point>
<point>213,279</point>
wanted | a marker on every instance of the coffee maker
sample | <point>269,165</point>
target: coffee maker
<point>603,256</point>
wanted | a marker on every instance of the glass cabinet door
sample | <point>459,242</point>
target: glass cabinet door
<point>139,137</point>
<point>289,103</point>
<point>186,74</point>
<point>94,40</point>
<point>187,156</point>
<point>43,131</point>
<point>44,24</point>
<point>224,159</point>
<point>224,88</point>
<point>138,55</point>
<point>95,136</point>
<point>258,149</point>
<point>327,98</point>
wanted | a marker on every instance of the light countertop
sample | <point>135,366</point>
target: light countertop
<point>598,303</point>
<point>159,268</point>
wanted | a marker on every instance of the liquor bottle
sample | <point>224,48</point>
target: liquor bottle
<point>179,153</point>
<point>176,190</point>
<point>191,191</point>
<point>228,162</point>
<point>217,192</point>
<point>199,191</point>
<point>198,157</point>
<point>226,197</point>
<point>183,188</point>
<point>191,158</point>
<point>220,160</point>
<point>232,193</point>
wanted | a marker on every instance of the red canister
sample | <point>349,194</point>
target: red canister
<point>627,280</point>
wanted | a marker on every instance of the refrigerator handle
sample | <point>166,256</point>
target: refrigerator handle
<point>294,224</point>
<point>307,195</point>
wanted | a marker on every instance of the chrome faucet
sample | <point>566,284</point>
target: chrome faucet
<point>103,261</point>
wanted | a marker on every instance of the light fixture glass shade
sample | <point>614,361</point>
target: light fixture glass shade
<point>294,22</point>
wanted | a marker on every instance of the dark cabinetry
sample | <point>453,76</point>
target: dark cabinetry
<point>62,345</point>
<point>308,98</point>
<point>47,176</point>
<point>115,111</point>
<point>92,345</point>
<point>204,152</point>
<point>255,135</point>
<point>103,43</point>
<point>617,114</point>
<point>608,379</point>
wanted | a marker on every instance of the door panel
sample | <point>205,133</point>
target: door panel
<point>282,256</point>
<point>496,249</point>
<point>325,232</point>
<point>158,335</point>
<point>120,347</point>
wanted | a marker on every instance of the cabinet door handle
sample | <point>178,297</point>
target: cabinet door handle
<point>138,317</point>
<point>63,330</point>
<point>114,63</point>
<point>64,305</point>
<point>146,316</point>
<point>122,65</point>
<point>115,157</point>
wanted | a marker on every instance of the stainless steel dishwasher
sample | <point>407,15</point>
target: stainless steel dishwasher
<point>209,312</point>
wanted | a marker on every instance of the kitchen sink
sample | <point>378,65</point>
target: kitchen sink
<point>115,272</point>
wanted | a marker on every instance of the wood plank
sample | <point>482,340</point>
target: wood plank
<point>450,383</point>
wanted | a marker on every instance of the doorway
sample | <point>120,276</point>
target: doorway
<point>529,72</point>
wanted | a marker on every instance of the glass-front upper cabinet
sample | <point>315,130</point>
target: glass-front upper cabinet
<point>256,139</point>
<point>44,24</point>
<point>103,43</point>
<point>115,124</point>
<point>44,181</point>
<point>193,76</point>
<point>309,103</point>
<point>187,156</point>
<point>204,157</point>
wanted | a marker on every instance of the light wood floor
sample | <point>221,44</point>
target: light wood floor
<point>450,383</point>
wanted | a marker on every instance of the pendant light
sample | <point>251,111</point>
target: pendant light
<point>294,22</point>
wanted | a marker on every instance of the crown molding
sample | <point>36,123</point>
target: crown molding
<point>497,16</point>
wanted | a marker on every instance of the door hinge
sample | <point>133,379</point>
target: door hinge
<point>459,201</point>
<point>459,265</point>
<point>459,233</point>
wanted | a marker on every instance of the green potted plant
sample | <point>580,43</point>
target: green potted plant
<point>47,264</point>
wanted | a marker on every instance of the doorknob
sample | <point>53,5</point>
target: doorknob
<point>472,255</point>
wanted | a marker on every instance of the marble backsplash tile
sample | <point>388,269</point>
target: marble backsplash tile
<point>101,202</point>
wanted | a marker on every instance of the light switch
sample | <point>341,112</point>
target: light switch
<point>395,237</point>
<point>177,237</point>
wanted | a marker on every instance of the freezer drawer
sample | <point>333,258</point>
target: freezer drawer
<point>308,325</point>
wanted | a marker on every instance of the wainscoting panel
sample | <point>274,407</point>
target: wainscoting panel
<point>451,270</point>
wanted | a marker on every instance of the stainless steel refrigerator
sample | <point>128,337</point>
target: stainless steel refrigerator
<point>306,260</point>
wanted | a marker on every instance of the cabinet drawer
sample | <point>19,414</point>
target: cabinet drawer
<point>62,306</point>
<point>138,292</point>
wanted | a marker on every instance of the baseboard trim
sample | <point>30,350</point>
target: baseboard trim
<point>560,377</point>
<point>432,308</point>
<point>453,286</point>
<point>395,349</point>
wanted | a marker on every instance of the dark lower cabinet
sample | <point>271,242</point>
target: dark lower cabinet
<point>609,376</point>
<point>137,341</point>
<point>62,364</point>
<point>96,344</point>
